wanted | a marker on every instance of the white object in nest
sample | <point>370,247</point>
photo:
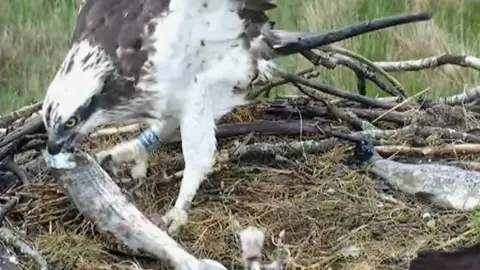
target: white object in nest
<point>60,160</point>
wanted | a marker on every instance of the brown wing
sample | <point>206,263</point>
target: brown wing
<point>117,26</point>
<point>256,21</point>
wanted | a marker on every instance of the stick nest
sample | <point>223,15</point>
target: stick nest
<point>332,214</point>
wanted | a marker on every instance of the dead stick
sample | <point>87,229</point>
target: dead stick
<point>423,131</point>
<point>466,97</point>
<point>21,113</point>
<point>403,118</point>
<point>352,31</point>
<point>431,62</point>
<point>271,85</point>
<point>262,127</point>
<point>33,126</point>
<point>436,151</point>
<point>334,91</point>
<point>12,239</point>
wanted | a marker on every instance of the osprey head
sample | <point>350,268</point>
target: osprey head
<point>85,93</point>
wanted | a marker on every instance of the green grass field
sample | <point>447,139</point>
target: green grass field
<point>34,36</point>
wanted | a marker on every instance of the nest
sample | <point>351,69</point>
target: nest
<point>333,214</point>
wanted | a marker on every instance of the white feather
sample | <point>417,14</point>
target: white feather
<point>77,80</point>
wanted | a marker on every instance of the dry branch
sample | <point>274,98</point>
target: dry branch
<point>33,126</point>
<point>423,131</point>
<point>436,151</point>
<point>334,91</point>
<point>361,71</point>
<point>344,53</point>
<point>21,113</point>
<point>352,31</point>
<point>431,62</point>
<point>469,95</point>
<point>12,239</point>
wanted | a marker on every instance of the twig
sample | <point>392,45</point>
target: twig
<point>262,127</point>
<point>336,92</point>
<point>437,151</point>
<point>35,125</point>
<point>372,65</point>
<point>467,96</point>
<point>401,103</point>
<point>361,71</point>
<point>361,83</point>
<point>12,239</point>
<point>283,148</point>
<point>424,131</point>
<point>269,86</point>
<point>349,117</point>
<point>21,113</point>
<point>431,62</point>
<point>317,59</point>
<point>369,114</point>
<point>115,130</point>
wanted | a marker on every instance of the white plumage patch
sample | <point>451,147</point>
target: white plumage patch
<point>77,80</point>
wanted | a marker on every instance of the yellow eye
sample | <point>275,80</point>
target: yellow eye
<point>71,122</point>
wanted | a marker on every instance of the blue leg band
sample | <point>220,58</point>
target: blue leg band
<point>149,139</point>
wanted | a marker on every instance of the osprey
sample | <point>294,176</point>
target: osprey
<point>172,64</point>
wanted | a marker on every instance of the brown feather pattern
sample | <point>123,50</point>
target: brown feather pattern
<point>117,26</point>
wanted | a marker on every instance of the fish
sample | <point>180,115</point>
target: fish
<point>95,194</point>
<point>445,186</point>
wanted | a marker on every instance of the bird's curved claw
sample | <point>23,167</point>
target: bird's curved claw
<point>173,221</point>
<point>113,159</point>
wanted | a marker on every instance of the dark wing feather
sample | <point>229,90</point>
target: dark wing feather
<point>253,12</point>
<point>257,23</point>
<point>117,26</point>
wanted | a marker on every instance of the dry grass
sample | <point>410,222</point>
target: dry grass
<point>323,205</point>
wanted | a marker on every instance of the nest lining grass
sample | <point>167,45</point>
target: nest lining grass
<point>323,205</point>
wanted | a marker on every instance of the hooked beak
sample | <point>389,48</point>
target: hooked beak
<point>56,145</point>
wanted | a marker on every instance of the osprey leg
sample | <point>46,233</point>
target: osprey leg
<point>197,128</point>
<point>138,150</point>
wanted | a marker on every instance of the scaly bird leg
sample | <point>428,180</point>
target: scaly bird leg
<point>197,128</point>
